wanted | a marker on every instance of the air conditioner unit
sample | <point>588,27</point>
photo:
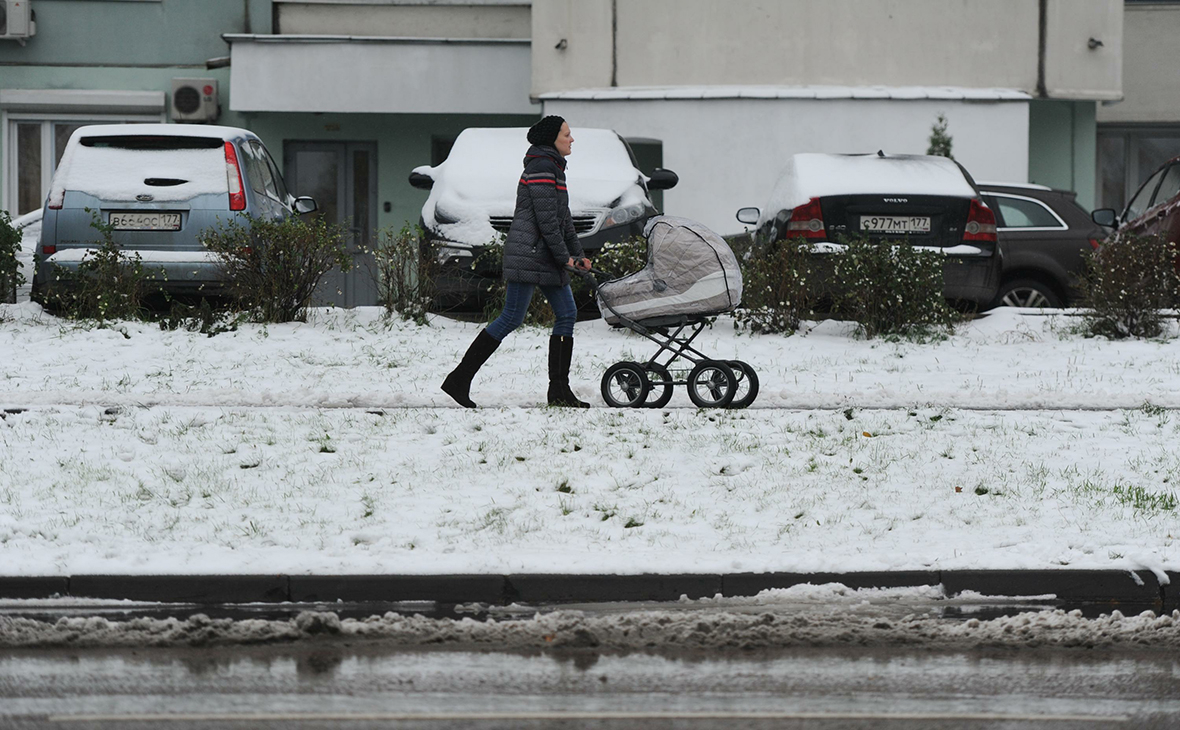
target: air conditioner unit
<point>195,100</point>
<point>16,20</point>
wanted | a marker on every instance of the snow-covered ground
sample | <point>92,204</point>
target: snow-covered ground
<point>327,447</point>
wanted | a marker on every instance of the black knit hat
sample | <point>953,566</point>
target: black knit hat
<point>545,131</point>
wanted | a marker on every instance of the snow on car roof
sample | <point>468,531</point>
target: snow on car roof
<point>119,174</point>
<point>1025,186</point>
<point>161,130</point>
<point>485,163</point>
<point>479,177</point>
<point>815,175</point>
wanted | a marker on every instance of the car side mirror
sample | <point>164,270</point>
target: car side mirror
<point>662,179</point>
<point>304,205</point>
<point>748,215</point>
<point>419,180</point>
<point>1105,217</point>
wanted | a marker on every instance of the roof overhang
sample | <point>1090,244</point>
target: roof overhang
<point>82,101</point>
<point>299,73</point>
<point>649,93</point>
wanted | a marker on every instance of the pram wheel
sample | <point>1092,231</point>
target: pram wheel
<point>625,385</point>
<point>712,384</point>
<point>747,384</point>
<point>661,386</point>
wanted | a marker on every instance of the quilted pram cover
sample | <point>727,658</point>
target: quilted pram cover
<point>690,271</point>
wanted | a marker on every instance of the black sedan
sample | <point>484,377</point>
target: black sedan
<point>1044,236</point>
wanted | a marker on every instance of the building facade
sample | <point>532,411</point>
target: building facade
<point>1141,130</point>
<point>732,88</point>
<point>350,95</point>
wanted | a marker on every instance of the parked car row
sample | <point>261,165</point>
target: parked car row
<point>157,186</point>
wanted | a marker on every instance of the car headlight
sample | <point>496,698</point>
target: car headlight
<point>442,217</point>
<point>623,215</point>
<point>447,252</point>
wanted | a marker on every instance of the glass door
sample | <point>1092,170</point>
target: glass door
<point>342,177</point>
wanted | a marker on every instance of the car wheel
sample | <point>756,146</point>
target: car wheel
<point>1027,293</point>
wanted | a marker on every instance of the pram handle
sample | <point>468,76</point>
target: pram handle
<point>587,272</point>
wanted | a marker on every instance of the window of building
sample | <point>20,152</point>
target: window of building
<point>1127,155</point>
<point>34,149</point>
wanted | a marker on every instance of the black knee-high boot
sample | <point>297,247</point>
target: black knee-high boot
<point>561,353</point>
<point>458,383</point>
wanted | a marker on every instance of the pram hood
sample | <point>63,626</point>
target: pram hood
<point>690,271</point>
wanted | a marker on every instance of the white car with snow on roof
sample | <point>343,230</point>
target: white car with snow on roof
<point>473,198</point>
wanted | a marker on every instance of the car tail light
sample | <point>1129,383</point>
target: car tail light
<point>49,249</point>
<point>981,223</point>
<point>807,221</point>
<point>233,172</point>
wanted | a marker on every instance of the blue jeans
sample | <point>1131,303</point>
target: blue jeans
<point>516,304</point>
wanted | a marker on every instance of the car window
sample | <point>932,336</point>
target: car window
<point>1026,213</point>
<point>1169,187</point>
<point>281,193</point>
<point>271,188</point>
<point>1142,199</point>
<point>255,169</point>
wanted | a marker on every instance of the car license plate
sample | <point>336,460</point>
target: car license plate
<point>895,223</point>
<point>145,221</point>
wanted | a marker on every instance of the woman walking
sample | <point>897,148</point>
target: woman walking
<point>540,244</point>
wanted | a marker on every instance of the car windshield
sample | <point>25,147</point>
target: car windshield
<point>1141,201</point>
<point>1169,187</point>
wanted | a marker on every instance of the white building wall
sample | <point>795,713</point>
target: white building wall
<point>971,43</point>
<point>1151,59</point>
<point>1083,50</point>
<point>406,20</point>
<point>383,75</point>
<point>729,152</point>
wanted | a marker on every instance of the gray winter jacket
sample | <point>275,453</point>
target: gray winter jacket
<point>542,237</point>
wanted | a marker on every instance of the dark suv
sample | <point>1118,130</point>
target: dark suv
<point>1045,236</point>
<point>1153,209</point>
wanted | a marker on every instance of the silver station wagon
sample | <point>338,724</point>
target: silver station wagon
<point>158,186</point>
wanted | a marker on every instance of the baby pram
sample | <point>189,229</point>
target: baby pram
<point>690,277</point>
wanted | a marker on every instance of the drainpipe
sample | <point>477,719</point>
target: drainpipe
<point>1042,15</point>
<point>614,42</point>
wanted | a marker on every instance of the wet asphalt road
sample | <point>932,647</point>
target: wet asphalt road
<point>357,684</point>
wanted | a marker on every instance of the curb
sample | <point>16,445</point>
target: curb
<point>1138,589</point>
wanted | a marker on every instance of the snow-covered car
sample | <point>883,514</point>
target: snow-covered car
<point>157,186</point>
<point>473,197</point>
<point>922,200</point>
